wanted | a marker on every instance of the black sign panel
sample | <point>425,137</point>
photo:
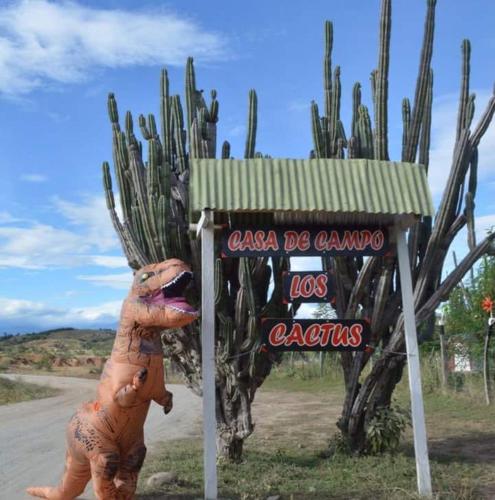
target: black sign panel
<point>312,286</point>
<point>299,241</point>
<point>315,334</point>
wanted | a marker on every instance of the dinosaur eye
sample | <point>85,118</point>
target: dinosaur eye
<point>145,276</point>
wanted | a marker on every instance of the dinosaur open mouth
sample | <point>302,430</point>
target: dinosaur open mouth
<point>171,294</point>
<point>176,287</point>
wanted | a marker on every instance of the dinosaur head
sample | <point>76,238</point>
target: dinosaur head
<point>158,289</point>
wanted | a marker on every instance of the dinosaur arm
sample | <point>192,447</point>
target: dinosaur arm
<point>128,395</point>
<point>165,400</point>
<point>160,394</point>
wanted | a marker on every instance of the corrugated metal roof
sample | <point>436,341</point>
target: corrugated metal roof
<point>316,188</point>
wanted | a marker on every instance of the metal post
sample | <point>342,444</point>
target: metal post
<point>417,409</point>
<point>208,353</point>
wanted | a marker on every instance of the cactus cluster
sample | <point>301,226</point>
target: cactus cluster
<point>154,226</point>
<point>371,288</point>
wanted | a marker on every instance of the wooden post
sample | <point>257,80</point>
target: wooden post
<point>417,409</point>
<point>208,353</point>
<point>444,362</point>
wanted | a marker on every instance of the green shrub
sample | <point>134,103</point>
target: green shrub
<point>45,363</point>
<point>384,431</point>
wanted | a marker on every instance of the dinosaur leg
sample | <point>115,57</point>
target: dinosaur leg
<point>104,467</point>
<point>130,465</point>
<point>75,478</point>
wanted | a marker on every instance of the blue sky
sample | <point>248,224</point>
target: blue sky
<point>60,262</point>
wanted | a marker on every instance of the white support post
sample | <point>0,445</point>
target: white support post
<point>208,353</point>
<point>417,409</point>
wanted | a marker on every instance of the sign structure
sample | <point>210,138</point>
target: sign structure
<point>311,286</point>
<point>281,334</point>
<point>390,181</point>
<point>298,241</point>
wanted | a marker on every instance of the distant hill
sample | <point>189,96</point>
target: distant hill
<point>68,351</point>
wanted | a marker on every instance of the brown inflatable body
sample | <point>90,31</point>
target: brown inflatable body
<point>105,438</point>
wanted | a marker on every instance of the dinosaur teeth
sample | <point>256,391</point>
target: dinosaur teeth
<point>177,279</point>
<point>182,311</point>
<point>176,286</point>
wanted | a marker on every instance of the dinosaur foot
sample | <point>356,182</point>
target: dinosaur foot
<point>40,492</point>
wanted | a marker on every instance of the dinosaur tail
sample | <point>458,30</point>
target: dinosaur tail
<point>40,492</point>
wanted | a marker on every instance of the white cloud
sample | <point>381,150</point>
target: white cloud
<point>483,224</point>
<point>298,105</point>
<point>7,218</point>
<point>57,117</point>
<point>108,311</point>
<point>113,261</point>
<point>40,246</point>
<point>92,215</point>
<point>40,316</point>
<point>237,131</point>
<point>45,42</point>
<point>444,123</point>
<point>120,281</point>
<point>33,178</point>
<point>33,245</point>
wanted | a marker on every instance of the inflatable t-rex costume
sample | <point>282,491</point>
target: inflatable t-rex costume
<point>105,438</point>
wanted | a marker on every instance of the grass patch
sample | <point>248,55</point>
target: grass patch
<point>279,382</point>
<point>14,391</point>
<point>458,409</point>
<point>299,473</point>
<point>288,454</point>
<point>305,377</point>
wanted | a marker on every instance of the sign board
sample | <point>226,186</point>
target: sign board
<point>310,286</point>
<point>281,334</point>
<point>297,241</point>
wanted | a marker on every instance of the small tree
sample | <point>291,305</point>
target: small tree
<point>464,313</point>
<point>469,314</point>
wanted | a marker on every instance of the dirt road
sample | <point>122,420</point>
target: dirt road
<point>32,433</point>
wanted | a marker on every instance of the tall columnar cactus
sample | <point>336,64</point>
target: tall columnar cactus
<point>371,288</point>
<point>154,226</point>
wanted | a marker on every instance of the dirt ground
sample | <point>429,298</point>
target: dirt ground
<point>452,438</point>
<point>32,433</point>
<point>458,433</point>
<point>472,442</point>
<point>273,413</point>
